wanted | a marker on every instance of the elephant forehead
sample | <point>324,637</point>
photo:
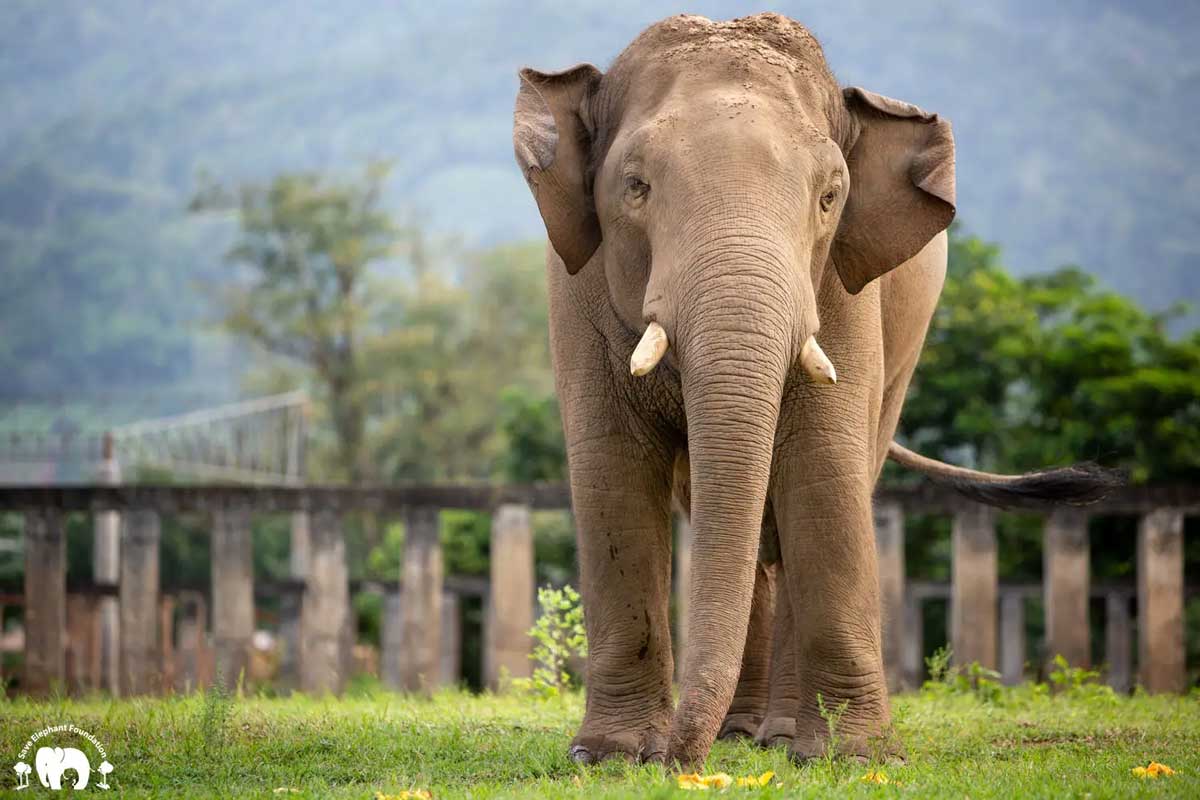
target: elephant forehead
<point>723,67</point>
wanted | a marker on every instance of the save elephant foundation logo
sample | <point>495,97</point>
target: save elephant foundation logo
<point>60,767</point>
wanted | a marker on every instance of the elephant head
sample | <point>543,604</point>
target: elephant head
<point>52,762</point>
<point>718,175</point>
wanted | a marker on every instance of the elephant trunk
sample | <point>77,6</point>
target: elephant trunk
<point>734,344</point>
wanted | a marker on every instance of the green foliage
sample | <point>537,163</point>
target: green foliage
<point>1078,681</point>
<point>466,541</point>
<point>559,637</point>
<point>973,679</point>
<point>1018,373</point>
<point>306,245</point>
<point>533,435</point>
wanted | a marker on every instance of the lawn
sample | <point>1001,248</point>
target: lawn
<point>1021,742</point>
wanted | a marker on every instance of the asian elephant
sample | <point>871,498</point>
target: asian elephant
<point>743,261</point>
<point>52,762</point>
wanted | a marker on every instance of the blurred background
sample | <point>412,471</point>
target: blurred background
<point>206,202</point>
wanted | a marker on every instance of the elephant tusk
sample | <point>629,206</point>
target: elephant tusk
<point>649,351</point>
<point>816,363</point>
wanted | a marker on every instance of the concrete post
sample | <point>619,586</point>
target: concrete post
<point>421,601</point>
<point>1161,654</point>
<point>325,607</point>
<point>1065,581</point>
<point>974,587</point>
<point>232,592</point>
<point>510,609</point>
<point>1012,638</point>
<point>45,601</point>
<point>106,569</point>
<point>139,603</point>
<point>889,547</point>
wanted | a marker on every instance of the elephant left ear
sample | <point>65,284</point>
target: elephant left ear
<point>901,186</point>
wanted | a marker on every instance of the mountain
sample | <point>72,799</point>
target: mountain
<point>1077,127</point>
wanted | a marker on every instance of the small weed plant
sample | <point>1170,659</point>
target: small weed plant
<point>559,637</point>
<point>1078,682</point>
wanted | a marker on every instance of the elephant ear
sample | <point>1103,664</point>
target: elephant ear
<point>552,145</point>
<point>901,187</point>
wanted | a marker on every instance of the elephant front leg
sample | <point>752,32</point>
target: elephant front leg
<point>749,704</point>
<point>779,721</point>
<point>621,496</point>
<point>828,545</point>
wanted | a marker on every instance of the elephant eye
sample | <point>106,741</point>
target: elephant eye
<point>828,198</point>
<point>636,188</point>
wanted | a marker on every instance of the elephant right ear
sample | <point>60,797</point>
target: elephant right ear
<point>901,187</point>
<point>552,146</point>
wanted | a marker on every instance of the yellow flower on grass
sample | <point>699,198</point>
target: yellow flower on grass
<point>1153,770</point>
<point>407,794</point>
<point>875,776</point>
<point>696,781</point>
<point>755,782</point>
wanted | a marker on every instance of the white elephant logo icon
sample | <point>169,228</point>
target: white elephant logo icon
<point>52,762</point>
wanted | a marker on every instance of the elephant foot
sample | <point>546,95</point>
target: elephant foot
<point>739,726</point>
<point>636,747</point>
<point>775,732</point>
<point>879,748</point>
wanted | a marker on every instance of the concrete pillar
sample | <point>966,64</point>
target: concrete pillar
<point>1118,641</point>
<point>451,658</point>
<point>421,601</point>
<point>1161,654</point>
<point>232,592</point>
<point>889,547</point>
<point>83,626</point>
<point>1012,638</point>
<point>139,603</point>
<point>912,652</point>
<point>390,641</point>
<point>45,602</point>
<point>1065,581</point>
<point>974,587</point>
<point>106,569</point>
<point>510,607</point>
<point>289,627</point>
<point>325,606</point>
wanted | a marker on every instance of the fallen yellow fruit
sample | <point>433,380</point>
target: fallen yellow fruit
<point>407,794</point>
<point>1153,770</point>
<point>696,781</point>
<point>755,782</point>
<point>874,776</point>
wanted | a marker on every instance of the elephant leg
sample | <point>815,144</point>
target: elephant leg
<point>825,473</point>
<point>749,704</point>
<point>621,490</point>
<point>779,722</point>
<point>833,588</point>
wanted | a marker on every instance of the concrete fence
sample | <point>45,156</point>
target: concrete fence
<point>117,632</point>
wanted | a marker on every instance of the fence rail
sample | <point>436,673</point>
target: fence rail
<point>118,632</point>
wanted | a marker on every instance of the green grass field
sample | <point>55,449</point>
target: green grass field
<point>1014,743</point>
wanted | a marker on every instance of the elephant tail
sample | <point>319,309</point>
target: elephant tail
<point>1076,485</point>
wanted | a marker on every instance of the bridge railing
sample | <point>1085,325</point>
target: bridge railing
<point>145,655</point>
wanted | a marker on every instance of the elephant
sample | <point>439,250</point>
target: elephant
<point>743,259</point>
<point>52,762</point>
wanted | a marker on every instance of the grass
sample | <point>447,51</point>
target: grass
<point>1022,742</point>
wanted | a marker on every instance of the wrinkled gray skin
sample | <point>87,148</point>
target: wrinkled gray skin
<point>718,181</point>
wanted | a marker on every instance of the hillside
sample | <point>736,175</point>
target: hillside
<point>1076,125</point>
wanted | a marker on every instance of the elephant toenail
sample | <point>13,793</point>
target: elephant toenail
<point>581,755</point>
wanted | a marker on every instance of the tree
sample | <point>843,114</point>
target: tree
<point>308,245</point>
<point>1018,373</point>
